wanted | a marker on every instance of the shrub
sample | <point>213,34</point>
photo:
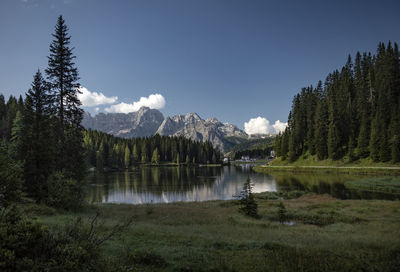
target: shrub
<point>26,245</point>
<point>282,213</point>
<point>10,177</point>
<point>248,204</point>
<point>64,192</point>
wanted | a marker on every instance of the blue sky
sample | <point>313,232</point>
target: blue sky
<point>233,60</point>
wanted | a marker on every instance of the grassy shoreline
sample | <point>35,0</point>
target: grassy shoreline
<point>312,160</point>
<point>308,164</point>
<point>328,169</point>
<point>327,235</point>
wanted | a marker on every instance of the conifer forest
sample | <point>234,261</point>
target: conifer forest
<point>354,113</point>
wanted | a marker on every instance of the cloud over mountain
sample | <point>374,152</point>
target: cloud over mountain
<point>153,101</point>
<point>92,99</point>
<point>279,126</point>
<point>261,125</point>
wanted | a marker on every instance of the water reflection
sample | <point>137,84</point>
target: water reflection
<point>171,184</point>
<point>333,184</point>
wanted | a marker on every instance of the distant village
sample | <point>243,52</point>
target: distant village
<point>252,159</point>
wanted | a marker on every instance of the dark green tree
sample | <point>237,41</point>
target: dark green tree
<point>63,78</point>
<point>37,146</point>
<point>127,157</point>
<point>156,157</point>
<point>10,177</point>
<point>321,129</point>
<point>248,204</point>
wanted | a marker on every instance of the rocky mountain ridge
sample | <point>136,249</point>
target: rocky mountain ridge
<point>148,122</point>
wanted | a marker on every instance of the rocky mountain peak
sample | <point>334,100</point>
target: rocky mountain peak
<point>192,117</point>
<point>213,121</point>
<point>147,122</point>
<point>142,123</point>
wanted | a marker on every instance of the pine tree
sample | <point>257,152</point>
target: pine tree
<point>10,179</point>
<point>127,157</point>
<point>396,149</point>
<point>16,137</point>
<point>3,117</point>
<point>135,155</point>
<point>321,130</point>
<point>278,144</point>
<point>100,163</point>
<point>37,141</point>
<point>187,160</point>
<point>248,204</point>
<point>285,144</point>
<point>63,76</point>
<point>156,157</point>
<point>374,144</point>
<point>144,153</point>
<point>333,137</point>
<point>363,139</point>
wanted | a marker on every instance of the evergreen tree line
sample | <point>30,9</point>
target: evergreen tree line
<point>8,112</point>
<point>43,132</point>
<point>355,114</point>
<point>106,151</point>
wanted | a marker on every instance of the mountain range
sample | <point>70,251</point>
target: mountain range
<point>147,122</point>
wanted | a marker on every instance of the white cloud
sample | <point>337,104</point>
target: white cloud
<point>279,126</point>
<point>92,99</point>
<point>257,125</point>
<point>153,101</point>
<point>261,125</point>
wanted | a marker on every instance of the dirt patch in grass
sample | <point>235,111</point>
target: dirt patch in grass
<point>316,198</point>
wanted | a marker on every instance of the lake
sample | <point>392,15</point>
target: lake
<point>165,184</point>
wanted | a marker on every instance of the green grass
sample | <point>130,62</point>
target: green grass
<point>251,162</point>
<point>312,160</point>
<point>309,164</point>
<point>328,235</point>
<point>383,185</point>
<point>326,170</point>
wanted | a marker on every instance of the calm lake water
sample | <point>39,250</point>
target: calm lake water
<point>172,184</point>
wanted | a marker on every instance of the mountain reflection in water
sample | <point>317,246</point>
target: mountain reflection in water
<point>172,184</point>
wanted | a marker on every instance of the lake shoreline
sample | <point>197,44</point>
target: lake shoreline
<point>362,170</point>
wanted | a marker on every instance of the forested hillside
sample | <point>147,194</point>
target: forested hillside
<point>104,150</point>
<point>254,148</point>
<point>354,114</point>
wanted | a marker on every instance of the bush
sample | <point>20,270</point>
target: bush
<point>248,204</point>
<point>10,177</point>
<point>19,241</point>
<point>64,193</point>
<point>282,213</point>
<point>26,245</point>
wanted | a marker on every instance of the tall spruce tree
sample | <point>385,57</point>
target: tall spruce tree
<point>321,129</point>
<point>37,140</point>
<point>63,77</point>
